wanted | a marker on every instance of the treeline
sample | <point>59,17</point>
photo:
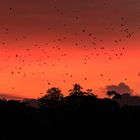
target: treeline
<point>81,114</point>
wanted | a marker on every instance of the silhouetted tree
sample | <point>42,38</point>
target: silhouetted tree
<point>117,96</point>
<point>76,91</point>
<point>114,95</point>
<point>53,95</point>
<point>111,93</point>
<point>89,92</point>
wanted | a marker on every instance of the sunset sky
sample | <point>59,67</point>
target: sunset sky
<point>46,43</point>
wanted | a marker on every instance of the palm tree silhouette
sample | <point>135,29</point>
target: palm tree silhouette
<point>76,91</point>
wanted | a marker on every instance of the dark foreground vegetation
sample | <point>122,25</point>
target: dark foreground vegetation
<point>79,115</point>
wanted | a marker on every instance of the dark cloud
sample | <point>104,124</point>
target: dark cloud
<point>126,95</point>
<point>120,88</point>
<point>10,97</point>
<point>127,99</point>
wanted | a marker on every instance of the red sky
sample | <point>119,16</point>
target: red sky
<point>45,43</point>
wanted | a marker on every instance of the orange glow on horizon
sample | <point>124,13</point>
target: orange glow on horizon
<point>39,68</point>
<point>58,43</point>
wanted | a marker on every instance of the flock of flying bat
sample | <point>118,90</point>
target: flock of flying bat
<point>56,46</point>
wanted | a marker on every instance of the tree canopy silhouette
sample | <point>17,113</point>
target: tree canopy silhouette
<point>76,91</point>
<point>89,92</point>
<point>53,95</point>
<point>113,94</point>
